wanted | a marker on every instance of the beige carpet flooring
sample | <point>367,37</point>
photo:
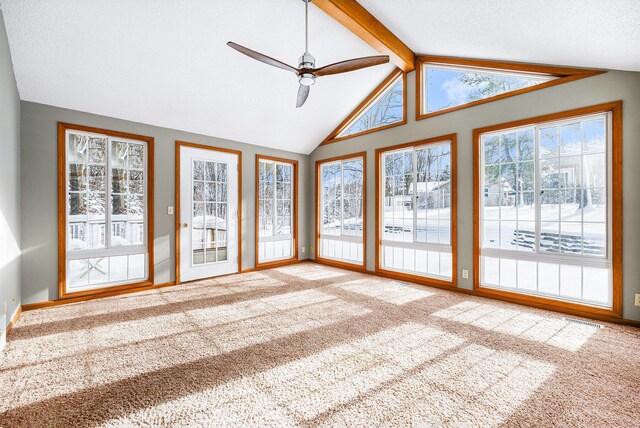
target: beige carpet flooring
<point>309,345</point>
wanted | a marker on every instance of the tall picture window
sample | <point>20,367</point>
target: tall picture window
<point>417,197</point>
<point>105,189</point>
<point>276,209</point>
<point>545,209</point>
<point>341,205</point>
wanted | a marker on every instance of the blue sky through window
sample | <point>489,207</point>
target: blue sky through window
<point>451,87</point>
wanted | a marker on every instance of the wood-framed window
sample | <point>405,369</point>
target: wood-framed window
<point>446,84</point>
<point>341,200</point>
<point>383,108</point>
<point>105,210</point>
<point>276,211</point>
<point>416,210</point>
<point>547,209</point>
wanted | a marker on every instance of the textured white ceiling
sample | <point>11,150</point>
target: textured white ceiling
<point>587,33</point>
<point>166,63</point>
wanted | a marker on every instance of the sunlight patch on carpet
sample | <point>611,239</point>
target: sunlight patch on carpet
<point>313,385</point>
<point>306,388</point>
<point>552,331</point>
<point>473,386</point>
<point>387,291</point>
<point>311,272</point>
<point>107,352</point>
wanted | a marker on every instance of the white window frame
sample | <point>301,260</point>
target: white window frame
<point>582,260</point>
<point>415,245</point>
<point>276,237</point>
<point>341,237</point>
<point>108,250</point>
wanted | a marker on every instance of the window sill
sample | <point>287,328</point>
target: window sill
<point>547,303</point>
<point>109,289</point>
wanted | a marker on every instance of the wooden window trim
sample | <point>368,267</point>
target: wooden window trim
<point>294,191</point>
<point>366,103</point>
<point>62,211</point>
<point>454,214</point>
<point>351,266</point>
<point>177,210</point>
<point>615,108</point>
<point>564,74</point>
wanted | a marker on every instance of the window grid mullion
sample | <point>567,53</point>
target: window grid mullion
<point>341,198</point>
<point>275,199</point>
<point>414,197</point>
<point>107,213</point>
<point>537,191</point>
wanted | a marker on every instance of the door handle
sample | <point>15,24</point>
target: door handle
<point>185,225</point>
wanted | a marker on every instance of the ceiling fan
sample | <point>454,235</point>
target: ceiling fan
<point>306,72</point>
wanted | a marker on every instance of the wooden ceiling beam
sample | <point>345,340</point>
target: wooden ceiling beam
<point>363,24</point>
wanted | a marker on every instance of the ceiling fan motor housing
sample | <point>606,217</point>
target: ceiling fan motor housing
<point>307,61</point>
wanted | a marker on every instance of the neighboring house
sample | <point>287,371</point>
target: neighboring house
<point>430,194</point>
<point>495,191</point>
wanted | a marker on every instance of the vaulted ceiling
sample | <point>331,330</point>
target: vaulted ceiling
<point>580,33</point>
<point>166,63</point>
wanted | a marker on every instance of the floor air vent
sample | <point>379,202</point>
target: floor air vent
<point>577,321</point>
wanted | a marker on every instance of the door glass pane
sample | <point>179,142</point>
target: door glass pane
<point>209,216</point>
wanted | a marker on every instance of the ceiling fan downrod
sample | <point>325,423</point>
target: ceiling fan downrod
<point>306,61</point>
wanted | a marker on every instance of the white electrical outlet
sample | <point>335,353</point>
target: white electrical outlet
<point>637,299</point>
<point>304,250</point>
<point>465,273</point>
<point>169,210</point>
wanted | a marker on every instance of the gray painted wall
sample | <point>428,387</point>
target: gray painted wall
<point>10,188</point>
<point>611,86</point>
<point>39,185</point>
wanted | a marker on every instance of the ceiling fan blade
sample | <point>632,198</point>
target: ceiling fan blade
<point>261,57</point>
<point>351,65</point>
<point>303,93</point>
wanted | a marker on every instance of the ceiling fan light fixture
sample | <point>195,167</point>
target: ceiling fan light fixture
<point>307,79</point>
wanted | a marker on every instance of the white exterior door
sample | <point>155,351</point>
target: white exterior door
<point>208,213</point>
